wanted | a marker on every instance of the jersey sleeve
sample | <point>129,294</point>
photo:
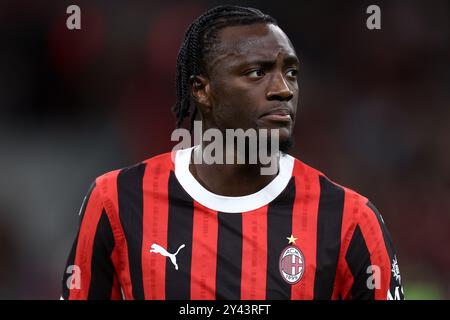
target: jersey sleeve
<point>372,260</point>
<point>89,271</point>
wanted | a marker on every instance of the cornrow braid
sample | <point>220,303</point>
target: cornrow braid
<point>199,42</point>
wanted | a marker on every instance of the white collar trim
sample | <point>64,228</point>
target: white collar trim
<point>231,204</point>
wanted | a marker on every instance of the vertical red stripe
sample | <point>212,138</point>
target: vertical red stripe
<point>254,254</point>
<point>204,253</point>
<point>372,233</point>
<point>155,220</point>
<point>344,278</point>
<point>119,256</point>
<point>304,226</point>
<point>83,256</point>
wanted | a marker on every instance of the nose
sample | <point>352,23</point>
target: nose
<point>279,89</point>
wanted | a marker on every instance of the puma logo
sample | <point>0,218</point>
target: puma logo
<point>158,249</point>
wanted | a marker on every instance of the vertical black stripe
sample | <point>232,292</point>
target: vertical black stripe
<point>129,188</point>
<point>102,268</point>
<point>358,260</point>
<point>329,224</point>
<point>386,236</point>
<point>395,282</point>
<point>229,256</point>
<point>279,227</point>
<point>73,251</point>
<point>179,232</point>
<point>86,200</point>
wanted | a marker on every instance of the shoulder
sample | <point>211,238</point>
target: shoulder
<point>330,192</point>
<point>161,161</point>
<point>107,184</point>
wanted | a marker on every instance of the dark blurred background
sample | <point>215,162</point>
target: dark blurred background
<point>374,116</point>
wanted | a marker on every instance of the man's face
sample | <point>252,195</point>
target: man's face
<point>253,80</point>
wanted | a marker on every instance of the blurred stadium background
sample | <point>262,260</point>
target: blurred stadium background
<point>374,116</point>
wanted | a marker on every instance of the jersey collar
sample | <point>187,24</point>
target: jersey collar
<point>231,204</point>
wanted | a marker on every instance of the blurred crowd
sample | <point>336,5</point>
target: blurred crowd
<point>374,116</point>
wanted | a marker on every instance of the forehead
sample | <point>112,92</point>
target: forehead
<point>246,42</point>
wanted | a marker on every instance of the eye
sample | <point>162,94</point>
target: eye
<point>258,73</point>
<point>292,73</point>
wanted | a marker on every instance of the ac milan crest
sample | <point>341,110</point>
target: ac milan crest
<point>292,264</point>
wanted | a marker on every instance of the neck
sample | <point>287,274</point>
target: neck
<point>231,180</point>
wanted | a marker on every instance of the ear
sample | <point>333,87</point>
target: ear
<point>200,90</point>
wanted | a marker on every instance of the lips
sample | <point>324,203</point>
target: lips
<point>278,115</point>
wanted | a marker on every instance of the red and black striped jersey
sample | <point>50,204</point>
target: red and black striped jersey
<point>151,231</point>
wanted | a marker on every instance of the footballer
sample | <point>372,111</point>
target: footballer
<point>164,229</point>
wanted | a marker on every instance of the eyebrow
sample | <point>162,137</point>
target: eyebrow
<point>290,59</point>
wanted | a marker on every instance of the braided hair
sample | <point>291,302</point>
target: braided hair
<point>200,41</point>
